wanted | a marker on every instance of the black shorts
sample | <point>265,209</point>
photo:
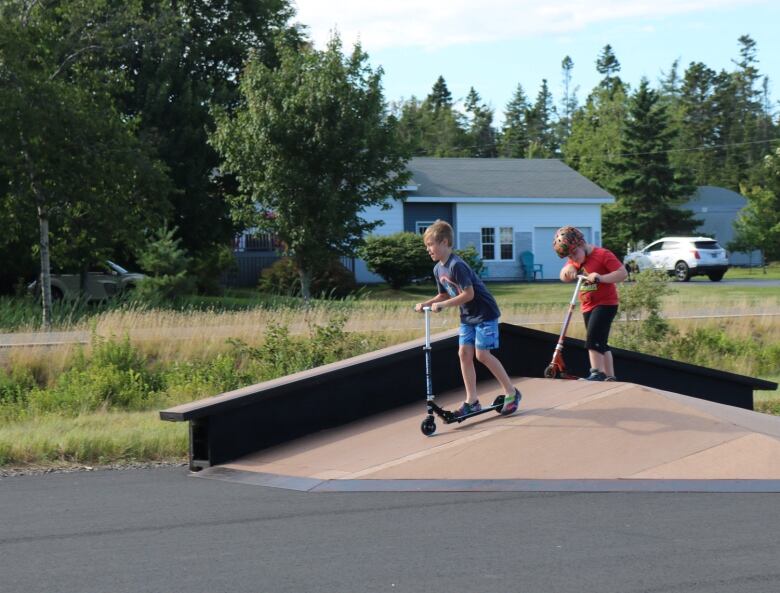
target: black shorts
<point>598,322</point>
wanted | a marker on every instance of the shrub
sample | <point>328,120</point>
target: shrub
<point>166,262</point>
<point>114,376</point>
<point>714,348</point>
<point>397,258</point>
<point>471,257</point>
<point>15,387</point>
<point>283,278</point>
<point>282,354</point>
<point>208,267</point>
<point>640,309</point>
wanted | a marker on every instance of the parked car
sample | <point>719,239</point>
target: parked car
<point>682,257</point>
<point>104,282</point>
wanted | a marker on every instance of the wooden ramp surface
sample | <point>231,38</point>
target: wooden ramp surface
<point>567,435</point>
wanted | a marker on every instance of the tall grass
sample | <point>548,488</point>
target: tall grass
<point>93,438</point>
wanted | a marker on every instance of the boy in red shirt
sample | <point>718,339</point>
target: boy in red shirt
<point>598,294</point>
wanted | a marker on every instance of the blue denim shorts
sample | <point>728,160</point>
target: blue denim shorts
<point>484,336</point>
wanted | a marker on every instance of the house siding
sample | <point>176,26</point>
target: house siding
<point>531,224</point>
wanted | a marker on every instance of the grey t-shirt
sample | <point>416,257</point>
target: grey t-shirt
<point>453,278</point>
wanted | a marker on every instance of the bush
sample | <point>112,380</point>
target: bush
<point>166,262</point>
<point>471,257</point>
<point>397,258</point>
<point>283,278</point>
<point>714,348</point>
<point>282,354</point>
<point>114,376</point>
<point>640,309</point>
<point>209,266</point>
<point>15,387</point>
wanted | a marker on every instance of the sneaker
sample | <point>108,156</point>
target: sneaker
<point>611,378</point>
<point>596,375</point>
<point>511,402</point>
<point>467,409</point>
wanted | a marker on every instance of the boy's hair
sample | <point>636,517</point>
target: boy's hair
<point>439,231</point>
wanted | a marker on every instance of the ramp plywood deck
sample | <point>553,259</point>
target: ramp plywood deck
<point>563,431</point>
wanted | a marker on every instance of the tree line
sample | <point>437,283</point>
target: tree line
<point>650,146</point>
<point>128,121</point>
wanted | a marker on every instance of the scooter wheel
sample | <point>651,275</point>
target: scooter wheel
<point>499,402</point>
<point>550,372</point>
<point>428,427</point>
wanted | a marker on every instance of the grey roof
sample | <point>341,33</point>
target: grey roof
<point>712,198</point>
<point>500,178</point>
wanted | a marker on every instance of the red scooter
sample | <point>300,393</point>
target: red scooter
<point>557,368</point>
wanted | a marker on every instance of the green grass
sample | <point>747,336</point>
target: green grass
<point>770,272</point>
<point>95,438</point>
<point>768,402</point>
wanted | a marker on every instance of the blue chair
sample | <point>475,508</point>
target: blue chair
<point>528,268</point>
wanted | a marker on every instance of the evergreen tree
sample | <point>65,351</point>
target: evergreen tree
<point>513,142</point>
<point>743,151</point>
<point>166,263</point>
<point>542,142</point>
<point>569,102</point>
<point>481,134</point>
<point>697,142</point>
<point>432,127</point>
<point>647,190</point>
<point>670,83</point>
<point>596,136</point>
<point>608,65</point>
<point>440,96</point>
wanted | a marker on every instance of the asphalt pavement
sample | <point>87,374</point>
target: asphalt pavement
<point>160,530</point>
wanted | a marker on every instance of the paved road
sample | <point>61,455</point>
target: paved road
<point>159,530</point>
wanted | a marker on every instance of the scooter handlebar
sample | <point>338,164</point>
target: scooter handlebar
<point>582,278</point>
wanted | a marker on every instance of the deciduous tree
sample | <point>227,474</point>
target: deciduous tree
<point>313,144</point>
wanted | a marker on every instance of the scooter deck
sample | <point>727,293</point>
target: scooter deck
<point>450,417</point>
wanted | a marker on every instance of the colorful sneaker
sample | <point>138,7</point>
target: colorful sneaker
<point>596,375</point>
<point>511,402</point>
<point>467,409</point>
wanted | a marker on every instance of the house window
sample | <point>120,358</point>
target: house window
<point>422,225</point>
<point>498,241</point>
<point>488,243</point>
<point>506,234</point>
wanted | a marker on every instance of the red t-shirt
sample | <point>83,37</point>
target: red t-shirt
<point>601,261</point>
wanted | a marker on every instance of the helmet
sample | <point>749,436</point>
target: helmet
<point>567,239</point>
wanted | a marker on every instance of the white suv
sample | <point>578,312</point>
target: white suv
<point>681,256</point>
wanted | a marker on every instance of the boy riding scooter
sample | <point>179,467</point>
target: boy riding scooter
<point>459,286</point>
<point>598,294</point>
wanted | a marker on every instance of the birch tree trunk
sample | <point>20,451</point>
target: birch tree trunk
<point>45,283</point>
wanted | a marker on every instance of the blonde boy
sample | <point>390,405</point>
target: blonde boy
<point>459,286</point>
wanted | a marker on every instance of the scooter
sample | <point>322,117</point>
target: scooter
<point>428,426</point>
<point>557,368</point>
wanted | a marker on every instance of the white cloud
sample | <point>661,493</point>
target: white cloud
<point>433,24</point>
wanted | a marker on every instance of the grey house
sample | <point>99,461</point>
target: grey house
<point>508,209</point>
<point>717,208</point>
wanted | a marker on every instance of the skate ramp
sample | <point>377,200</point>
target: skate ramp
<point>567,435</point>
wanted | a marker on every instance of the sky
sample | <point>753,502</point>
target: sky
<point>494,45</point>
